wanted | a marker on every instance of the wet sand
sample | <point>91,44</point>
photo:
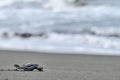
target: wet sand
<point>60,66</point>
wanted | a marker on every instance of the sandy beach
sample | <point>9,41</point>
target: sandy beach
<point>60,66</point>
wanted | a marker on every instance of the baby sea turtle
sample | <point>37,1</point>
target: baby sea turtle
<point>28,67</point>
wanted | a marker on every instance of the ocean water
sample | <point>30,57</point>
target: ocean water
<point>62,26</point>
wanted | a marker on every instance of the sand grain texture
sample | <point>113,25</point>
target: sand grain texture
<point>60,66</point>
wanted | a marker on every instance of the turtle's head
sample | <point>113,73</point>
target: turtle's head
<point>16,65</point>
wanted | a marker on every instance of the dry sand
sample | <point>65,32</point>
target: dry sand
<point>60,66</point>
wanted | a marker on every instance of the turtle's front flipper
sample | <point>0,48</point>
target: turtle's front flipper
<point>40,68</point>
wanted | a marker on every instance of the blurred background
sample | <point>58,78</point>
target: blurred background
<point>61,26</point>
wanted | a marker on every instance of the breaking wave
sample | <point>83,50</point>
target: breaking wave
<point>60,25</point>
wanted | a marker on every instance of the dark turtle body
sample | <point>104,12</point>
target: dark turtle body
<point>28,67</point>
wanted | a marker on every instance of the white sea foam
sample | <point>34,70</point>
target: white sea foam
<point>65,26</point>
